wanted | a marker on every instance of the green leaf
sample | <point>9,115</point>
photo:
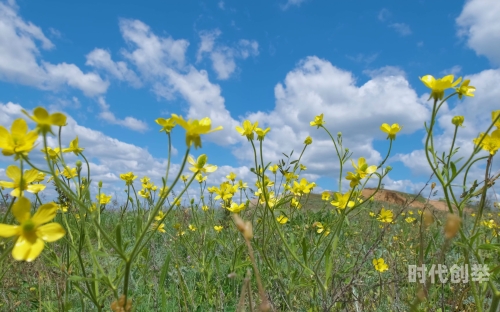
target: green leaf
<point>118,234</point>
<point>453,169</point>
<point>489,247</point>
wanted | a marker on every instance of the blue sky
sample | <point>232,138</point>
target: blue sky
<point>114,67</point>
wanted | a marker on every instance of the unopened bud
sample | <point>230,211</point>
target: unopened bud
<point>339,134</point>
<point>452,226</point>
<point>433,185</point>
<point>245,227</point>
<point>388,168</point>
<point>428,218</point>
<point>457,120</point>
<point>100,184</point>
<point>78,163</point>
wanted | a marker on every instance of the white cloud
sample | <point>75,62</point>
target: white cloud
<point>383,14</point>
<point>220,4</point>
<point>291,3</point>
<point>363,58</point>
<point>454,70</point>
<point>101,59</point>
<point>386,71</point>
<point>315,86</point>
<point>479,23</point>
<point>223,57</point>
<point>129,122</point>
<point>19,54</point>
<point>154,50</point>
<point>401,28</point>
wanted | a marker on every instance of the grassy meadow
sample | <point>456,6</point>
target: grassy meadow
<point>289,249</point>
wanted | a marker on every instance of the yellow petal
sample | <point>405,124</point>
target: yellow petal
<point>21,209</point>
<point>30,175</point>
<point>45,213</point>
<point>7,230</point>
<point>27,250</point>
<point>7,184</point>
<point>13,172</point>
<point>40,113</point>
<point>35,188</point>
<point>58,119</point>
<point>19,127</point>
<point>51,232</point>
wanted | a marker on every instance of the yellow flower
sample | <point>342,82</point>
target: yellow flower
<point>40,177</point>
<point>391,130</point>
<point>489,143</point>
<point>128,178</point>
<point>273,168</point>
<point>200,178</point>
<point>235,208</point>
<point>465,89</point>
<point>354,178</point>
<point>32,231</point>
<point>19,142</point>
<point>158,227</point>
<point>342,201</point>
<point>242,185</point>
<point>144,193</point>
<point>308,141</point>
<point>489,224</point>
<point>53,153</point>
<point>204,208</point>
<point>69,172</point>
<point>194,129</point>
<point>103,199</point>
<point>247,129</point>
<point>200,165</point>
<point>325,195</point>
<point>303,187</point>
<point>231,176</point>
<point>166,124</point>
<point>302,167</point>
<point>192,227</point>
<point>380,265</point>
<point>261,133</point>
<point>295,203</point>
<point>73,147</point>
<point>218,228</point>
<point>410,220</point>
<point>318,121</point>
<point>362,168</point>
<point>385,216</point>
<point>28,177</point>
<point>321,228</point>
<point>159,216</point>
<point>438,86</point>
<point>494,115</point>
<point>282,219</point>
<point>372,214</point>
<point>45,121</point>
<point>184,177</point>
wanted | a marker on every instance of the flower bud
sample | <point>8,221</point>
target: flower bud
<point>452,225</point>
<point>308,140</point>
<point>457,120</point>
<point>388,168</point>
<point>428,218</point>
<point>433,185</point>
<point>78,163</point>
<point>339,134</point>
<point>100,184</point>
<point>245,227</point>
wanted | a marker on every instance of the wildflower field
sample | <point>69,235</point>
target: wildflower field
<point>288,250</point>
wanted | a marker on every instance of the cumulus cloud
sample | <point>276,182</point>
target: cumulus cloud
<point>129,122</point>
<point>315,86</point>
<point>101,59</point>
<point>222,56</point>
<point>401,28</point>
<point>20,42</point>
<point>479,24</point>
<point>154,50</point>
